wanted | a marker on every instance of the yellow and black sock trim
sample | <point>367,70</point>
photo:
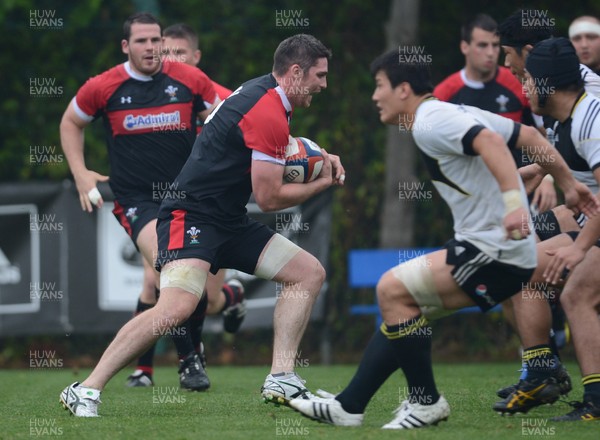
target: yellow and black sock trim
<point>590,379</point>
<point>407,328</point>
<point>534,352</point>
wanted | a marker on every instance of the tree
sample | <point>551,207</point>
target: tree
<point>397,219</point>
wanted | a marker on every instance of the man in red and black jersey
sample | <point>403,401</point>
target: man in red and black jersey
<point>484,84</point>
<point>180,44</point>
<point>149,109</point>
<point>240,151</point>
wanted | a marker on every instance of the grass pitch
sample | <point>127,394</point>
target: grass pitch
<point>232,408</point>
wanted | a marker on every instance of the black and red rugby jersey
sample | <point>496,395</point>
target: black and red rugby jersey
<point>502,95</point>
<point>222,93</point>
<point>150,122</point>
<point>216,177</point>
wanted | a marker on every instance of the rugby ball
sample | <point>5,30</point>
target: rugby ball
<point>303,160</point>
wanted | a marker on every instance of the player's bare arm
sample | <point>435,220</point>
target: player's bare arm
<point>577,196</point>
<point>544,196</point>
<point>72,138</point>
<point>204,113</point>
<point>570,256</point>
<point>496,156</point>
<point>531,175</point>
<point>272,194</point>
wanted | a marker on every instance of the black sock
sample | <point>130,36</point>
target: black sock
<point>232,295</point>
<point>406,346</point>
<point>182,339</point>
<point>377,364</point>
<point>591,388</point>
<point>146,360</point>
<point>540,362</point>
<point>415,360</point>
<point>197,322</point>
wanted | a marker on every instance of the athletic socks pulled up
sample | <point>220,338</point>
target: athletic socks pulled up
<point>406,346</point>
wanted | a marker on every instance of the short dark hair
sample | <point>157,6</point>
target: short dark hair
<point>415,74</point>
<point>138,17</point>
<point>182,31</point>
<point>481,21</point>
<point>302,49</point>
<point>515,34</point>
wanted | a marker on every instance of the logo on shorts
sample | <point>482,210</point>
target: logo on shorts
<point>193,231</point>
<point>481,291</point>
<point>132,214</point>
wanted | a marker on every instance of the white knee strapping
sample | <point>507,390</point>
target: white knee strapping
<point>189,278</point>
<point>278,253</point>
<point>416,275</point>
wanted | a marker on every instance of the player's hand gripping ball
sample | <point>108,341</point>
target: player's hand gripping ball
<point>303,160</point>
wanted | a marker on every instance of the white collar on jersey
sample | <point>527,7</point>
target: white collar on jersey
<point>134,74</point>
<point>470,82</point>
<point>284,99</point>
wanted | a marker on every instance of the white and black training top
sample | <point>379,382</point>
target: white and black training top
<point>444,133</point>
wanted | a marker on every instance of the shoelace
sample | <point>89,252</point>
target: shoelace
<point>306,391</point>
<point>403,405</point>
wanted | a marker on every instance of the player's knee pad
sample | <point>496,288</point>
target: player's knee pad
<point>189,278</point>
<point>546,225</point>
<point>416,275</point>
<point>277,254</point>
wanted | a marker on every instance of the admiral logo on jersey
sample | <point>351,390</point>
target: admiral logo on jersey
<point>151,121</point>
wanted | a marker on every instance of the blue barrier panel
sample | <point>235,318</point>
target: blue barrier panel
<point>366,266</point>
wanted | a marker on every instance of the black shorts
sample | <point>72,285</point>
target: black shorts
<point>134,215</point>
<point>546,225</point>
<point>182,236</point>
<point>574,234</point>
<point>486,281</point>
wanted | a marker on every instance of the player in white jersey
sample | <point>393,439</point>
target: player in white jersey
<point>534,316</point>
<point>491,256</point>
<point>555,88</point>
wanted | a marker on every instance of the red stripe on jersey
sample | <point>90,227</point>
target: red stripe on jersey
<point>94,94</point>
<point>122,218</point>
<point>265,126</point>
<point>172,117</point>
<point>445,90</point>
<point>177,229</point>
<point>508,80</point>
<point>222,92</point>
